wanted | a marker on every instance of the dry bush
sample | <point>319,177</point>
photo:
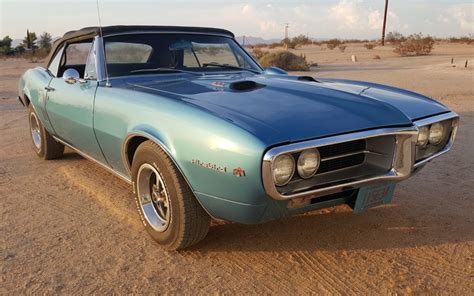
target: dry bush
<point>369,46</point>
<point>376,57</point>
<point>274,45</point>
<point>395,37</point>
<point>285,60</point>
<point>260,45</point>
<point>464,39</point>
<point>258,53</point>
<point>415,45</point>
<point>342,47</point>
<point>333,43</point>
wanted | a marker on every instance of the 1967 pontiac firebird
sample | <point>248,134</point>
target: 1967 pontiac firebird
<point>201,130</point>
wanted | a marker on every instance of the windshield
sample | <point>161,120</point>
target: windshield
<point>138,54</point>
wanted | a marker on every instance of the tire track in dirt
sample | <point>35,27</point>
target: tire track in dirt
<point>354,277</point>
<point>443,270</point>
<point>333,280</point>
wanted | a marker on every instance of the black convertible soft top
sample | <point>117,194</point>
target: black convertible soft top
<point>89,32</point>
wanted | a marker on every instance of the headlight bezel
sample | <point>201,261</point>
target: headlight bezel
<point>433,148</point>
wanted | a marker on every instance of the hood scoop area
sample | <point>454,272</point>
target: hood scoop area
<point>245,85</point>
<point>307,78</point>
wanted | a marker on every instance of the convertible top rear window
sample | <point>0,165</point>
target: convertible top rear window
<point>154,53</point>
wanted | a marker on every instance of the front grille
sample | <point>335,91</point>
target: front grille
<point>342,148</point>
<point>347,161</point>
<point>341,163</point>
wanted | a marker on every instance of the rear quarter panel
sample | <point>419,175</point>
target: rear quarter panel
<point>31,86</point>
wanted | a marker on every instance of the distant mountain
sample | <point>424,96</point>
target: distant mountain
<point>250,40</point>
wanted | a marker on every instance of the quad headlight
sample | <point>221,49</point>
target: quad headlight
<point>308,163</point>
<point>423,136</point>
<point>283,168</point>
<point>436,133</point>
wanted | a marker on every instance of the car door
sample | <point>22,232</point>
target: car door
<point>70,104</point>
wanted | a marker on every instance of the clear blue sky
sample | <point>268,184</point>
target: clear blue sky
<point>318,18</point>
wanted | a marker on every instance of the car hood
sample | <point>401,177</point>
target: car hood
<point>279,109</point>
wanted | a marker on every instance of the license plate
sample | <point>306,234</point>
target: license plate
<point>372,196</point>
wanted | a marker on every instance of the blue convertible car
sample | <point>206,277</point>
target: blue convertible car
<point>201,130</point>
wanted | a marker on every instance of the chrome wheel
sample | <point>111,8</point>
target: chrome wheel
<point>153,197</point>
<point>35,130</point>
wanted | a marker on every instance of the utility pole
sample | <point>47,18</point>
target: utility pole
<point>384,22</point>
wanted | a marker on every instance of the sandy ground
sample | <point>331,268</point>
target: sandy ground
<point>67,226</point>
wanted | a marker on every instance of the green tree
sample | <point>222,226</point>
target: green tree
<point>45,41</point>
<point>19,49</point>
<point>29,42</point>
<point>6,45</point>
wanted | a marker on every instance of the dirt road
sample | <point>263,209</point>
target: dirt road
<point>67,226</point>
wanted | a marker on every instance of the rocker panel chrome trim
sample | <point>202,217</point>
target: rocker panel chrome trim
<point>124,178</point>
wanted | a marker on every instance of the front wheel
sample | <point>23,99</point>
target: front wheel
<point>168,209</point>
<point>44,144</point>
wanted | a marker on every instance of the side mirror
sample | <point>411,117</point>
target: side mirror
<point>71,76</point>
<point>274,71</point>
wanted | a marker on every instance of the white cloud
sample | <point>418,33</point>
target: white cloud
<point>463,15</point>
<point>346,12</point>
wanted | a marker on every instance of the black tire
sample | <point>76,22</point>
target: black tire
<point>44,144</point>
<point>187,222</point>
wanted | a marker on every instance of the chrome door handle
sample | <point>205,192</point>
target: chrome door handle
<point>47,88</point>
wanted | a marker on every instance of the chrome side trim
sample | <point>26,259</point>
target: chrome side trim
<point>124,178</point>
<point>402,164</point>
<point>430,120</point>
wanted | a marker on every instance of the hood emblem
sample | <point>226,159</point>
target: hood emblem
<point>239,172</point>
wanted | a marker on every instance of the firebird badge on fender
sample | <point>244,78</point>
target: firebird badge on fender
<point>239,172</point>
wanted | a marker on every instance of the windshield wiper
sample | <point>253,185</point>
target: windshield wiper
<point>230,67</point>
<point>164,69</point>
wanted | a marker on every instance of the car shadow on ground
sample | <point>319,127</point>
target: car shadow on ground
<point>386,227</point>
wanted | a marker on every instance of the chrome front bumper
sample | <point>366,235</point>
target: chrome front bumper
<point>403,162</point>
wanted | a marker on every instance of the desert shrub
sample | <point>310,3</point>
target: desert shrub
<point>260,45</point>
<point>274,45</point>
<point>464,39</point>
<point>395,37</point>
<point>342,47</point>
<point>376,57</point>
<point>333,43</point>
<point>356,40</point>
<point>415,45</point>
<point>258,53</point>
<point>285,60</point>
<point>369,46</point>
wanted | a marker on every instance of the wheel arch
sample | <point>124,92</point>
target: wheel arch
<point>133,141</point>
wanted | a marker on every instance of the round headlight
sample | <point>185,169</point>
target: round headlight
<point>436,133</point>
<point>308,163</point>
<point>283,169</point>
<point>423,135</point>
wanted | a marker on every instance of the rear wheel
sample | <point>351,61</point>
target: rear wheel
<point>168,209</point>
<point>43,143</point>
